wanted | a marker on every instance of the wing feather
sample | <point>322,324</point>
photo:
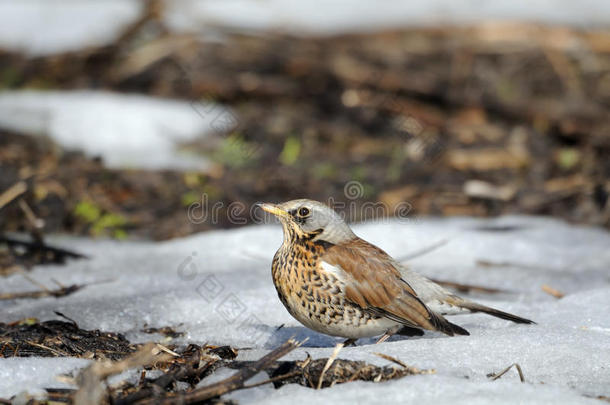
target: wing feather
<point>374,283</point>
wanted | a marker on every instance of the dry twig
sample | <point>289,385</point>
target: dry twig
<point>59,292</point>
<point>233,383</point>
<point>91,388</point>
<point>12,192</point>
<point>329,362</point>
<point>551,291</point>
<point>495,376</point>
<point>469,287</point>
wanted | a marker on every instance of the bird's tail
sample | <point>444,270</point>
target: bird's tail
<point>443,325</point>
<point>474,307</point>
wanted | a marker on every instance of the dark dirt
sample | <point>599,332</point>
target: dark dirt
<point>307,372</point>
<point>188,364</point>
<point>59,338</point>
<point>477,121</point>
<point>438,122</point>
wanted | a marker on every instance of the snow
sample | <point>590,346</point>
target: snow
<point>77,24</point>
<point>65,25</point>
<point>429,389</point>
<point>125,130</point>
<point>320,16</point>
<point>217,288</point>
<point>28,375</point>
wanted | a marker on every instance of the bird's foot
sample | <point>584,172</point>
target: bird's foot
<point>350,342</point>
<point>388,333</point>
<point>383,338</point>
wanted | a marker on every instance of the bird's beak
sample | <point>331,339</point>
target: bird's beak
<point>273,209</point>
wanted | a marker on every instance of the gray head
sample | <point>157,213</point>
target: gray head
<point>310,220</point>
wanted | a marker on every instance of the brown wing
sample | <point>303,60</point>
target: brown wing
<point>375,284</point>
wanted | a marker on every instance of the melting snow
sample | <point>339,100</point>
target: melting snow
<point>217,288</point>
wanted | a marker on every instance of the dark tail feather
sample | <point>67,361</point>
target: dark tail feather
<point>494,312</point>
<point>448,328</point>
<point>458,330</point>
<point>409,331</point>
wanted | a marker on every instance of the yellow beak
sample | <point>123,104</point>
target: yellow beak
<point>273,209</point>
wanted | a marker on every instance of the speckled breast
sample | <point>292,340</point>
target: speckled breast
<point>315,297</point>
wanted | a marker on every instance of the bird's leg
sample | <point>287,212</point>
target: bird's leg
<point>350,342</point>
<point>388,333</point>
<point>383,338</point>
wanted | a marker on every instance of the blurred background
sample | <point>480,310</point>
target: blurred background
<point>116,116</point>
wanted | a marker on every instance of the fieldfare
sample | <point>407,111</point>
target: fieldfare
<point>336,283</point>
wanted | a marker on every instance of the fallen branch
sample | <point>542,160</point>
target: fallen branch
<point>233,383</point>
<point>194,369</point>
<point>91,388</point>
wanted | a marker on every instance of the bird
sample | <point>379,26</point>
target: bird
<point>338,284</point>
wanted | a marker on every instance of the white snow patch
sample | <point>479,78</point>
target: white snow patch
<point>46,27</point>
<point>125,130</point>
<point>217,288</point>
<point>321,16</point>
<point>77,24</point>
<point>33,374</point>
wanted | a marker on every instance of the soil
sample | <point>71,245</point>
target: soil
<point>477,121</point>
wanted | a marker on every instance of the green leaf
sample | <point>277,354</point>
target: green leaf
<point>291,151</point>
<point>87,211</point>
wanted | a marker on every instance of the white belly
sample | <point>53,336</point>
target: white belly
<point>374,327</point>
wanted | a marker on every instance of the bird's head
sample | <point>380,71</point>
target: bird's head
<point>309,220</point>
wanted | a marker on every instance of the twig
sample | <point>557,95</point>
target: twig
<point>489,263</point>
<point>494,377</point>
<point>329,362</point>
<point>235,382</point>
<point>12,192</point>
<point>60,292</point>
<point>36,223</point>
<point>468,287</point>
<point>72,321</point>
<point>34,281</point>
<point>274,379</point>
<point>60,285</point>
<point>45,292</point>
<point>60,395</point>
<point>166,350</point>
<point>392,359</point>
<point>356,374</point>
<point>43,247</point>
<point>412,370</point>
<point>54,351</point>
<point>423,251</point>
<point>551,291</point>
<point>91,390</point>
<point>193,368</point>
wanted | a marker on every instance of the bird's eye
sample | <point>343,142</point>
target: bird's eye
<point>303,211</point>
